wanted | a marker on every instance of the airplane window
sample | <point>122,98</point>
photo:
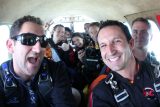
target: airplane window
<point>76,23</point>
<point>4,29</point>
<point>154,44</point>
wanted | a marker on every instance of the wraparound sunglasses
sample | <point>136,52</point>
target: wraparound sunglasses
<point>31,39</point>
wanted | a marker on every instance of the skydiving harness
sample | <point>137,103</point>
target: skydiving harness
<point>156,78</point>
<point>10,84</point>
<point>121,95</point>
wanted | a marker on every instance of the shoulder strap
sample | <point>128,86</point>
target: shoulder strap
<point>93,85</point>
<point>154,72</point>
<point>97,81</point>
<point>9,84</point>
<point>46,78</point>
<point>120,94</point>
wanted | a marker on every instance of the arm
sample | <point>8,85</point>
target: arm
<point>61,94</point>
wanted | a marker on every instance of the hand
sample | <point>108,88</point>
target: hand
<point>48,24</point>
<point>64,47</point>
<point>81,54</point>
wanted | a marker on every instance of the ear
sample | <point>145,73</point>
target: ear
<point>10,45</point>
<point>131,43</point>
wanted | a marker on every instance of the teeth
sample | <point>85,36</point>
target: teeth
<point>114,59</point>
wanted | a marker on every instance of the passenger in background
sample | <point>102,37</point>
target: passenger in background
<point>93,31</point>
<point>29,79</point>
<point>86,32</point>
<point>68,34</point>
<point>59,43</point>
<point>86,28</point>
<point>80,43</point>
<point>91,63</point>
<point>142,35</point>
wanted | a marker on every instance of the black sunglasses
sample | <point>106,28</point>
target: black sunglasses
<point>31,39</point>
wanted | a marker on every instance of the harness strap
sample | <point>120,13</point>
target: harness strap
<point>11,92</point>
<point>10,85</point>
<point>155,76</point>
<point>121,95</point>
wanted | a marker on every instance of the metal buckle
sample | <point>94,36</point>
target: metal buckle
<point>111,82</point>
<point>121,96</point>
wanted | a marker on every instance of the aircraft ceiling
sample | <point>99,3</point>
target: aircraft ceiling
<point>94,9</point>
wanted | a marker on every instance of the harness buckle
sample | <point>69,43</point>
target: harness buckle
<point>110,81</point>
<point>121,96</point>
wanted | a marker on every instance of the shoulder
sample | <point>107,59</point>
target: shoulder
<point>55,68</point>
<point>102,90</point>
<point>54,65</point>
<point>151,59</point>
<point>102,95</point>
<point>144,65</point>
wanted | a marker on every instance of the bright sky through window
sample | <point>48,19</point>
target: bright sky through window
<point>4,33</point>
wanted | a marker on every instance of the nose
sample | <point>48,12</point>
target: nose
<point>111,49</point>
<point>37,47</point>
<point>140,34</point>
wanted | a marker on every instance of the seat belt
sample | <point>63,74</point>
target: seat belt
<point>121,95</point>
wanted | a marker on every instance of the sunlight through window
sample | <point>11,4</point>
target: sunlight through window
<point>155,42</point>
<point>4,29</point>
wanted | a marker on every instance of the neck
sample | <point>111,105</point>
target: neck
<point>130,71</point>
<point>140,54</point>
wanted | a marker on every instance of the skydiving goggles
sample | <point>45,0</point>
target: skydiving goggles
<point>31,39</point>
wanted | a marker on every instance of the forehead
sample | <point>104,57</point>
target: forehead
<point>86,25</point>
<point>76,37</point>
<point>67,32</point>
<point>110,32</point>
<point>140,25</point>
<point>30,27</point>
<point>93,28</point>
<point>60,28</point>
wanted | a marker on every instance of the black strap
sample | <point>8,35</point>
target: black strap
<point>121,95</point>
<point>154,71</point>
<point>10,86</point>
<point>45,82</point>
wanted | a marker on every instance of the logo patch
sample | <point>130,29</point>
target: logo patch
<point>149,93</point>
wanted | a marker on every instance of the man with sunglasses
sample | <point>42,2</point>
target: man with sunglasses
<point>29,79</point>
